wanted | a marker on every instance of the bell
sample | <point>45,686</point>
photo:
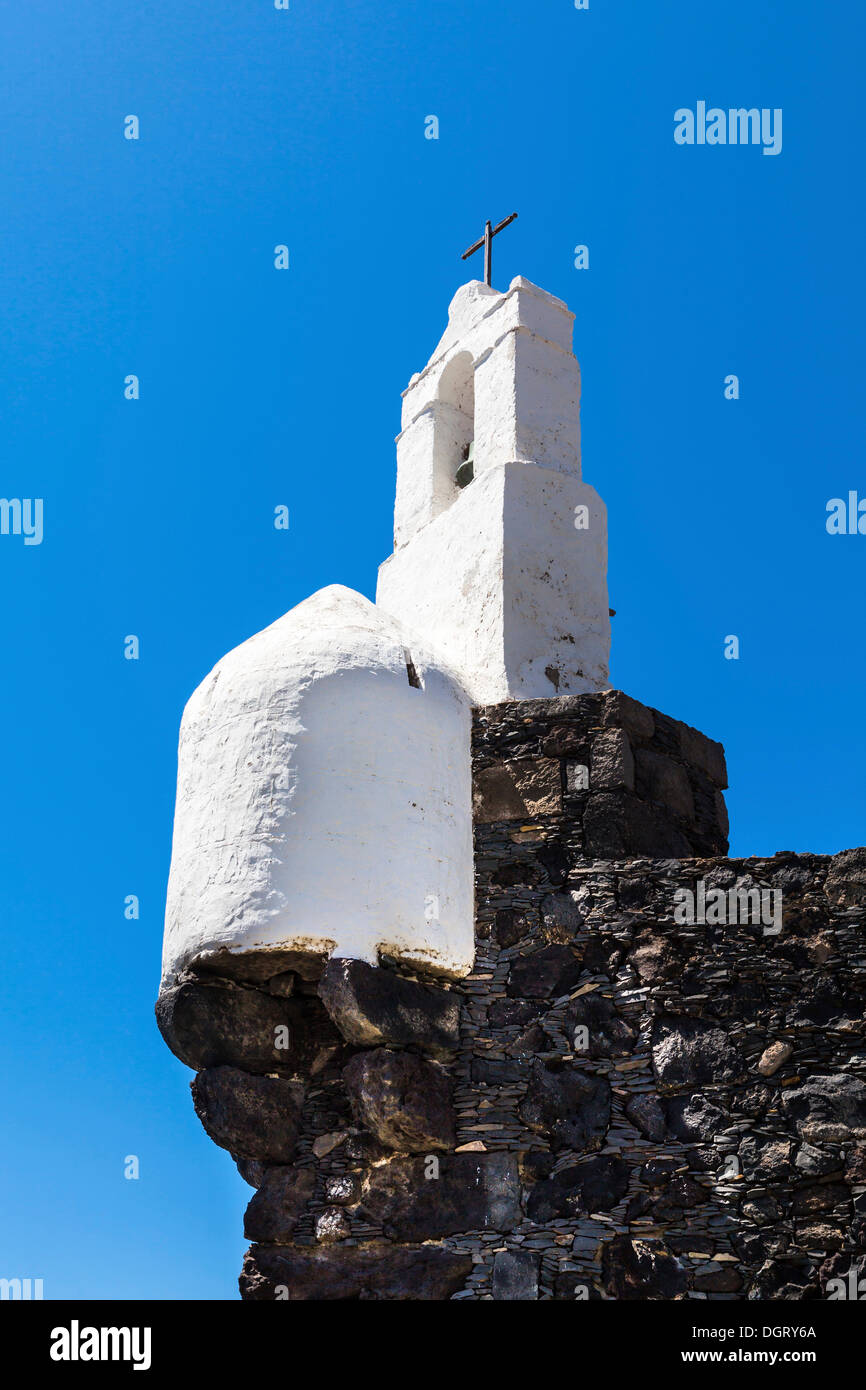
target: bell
<point>466,472</point>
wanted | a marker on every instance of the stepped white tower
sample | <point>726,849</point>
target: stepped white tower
<point>506,576</point>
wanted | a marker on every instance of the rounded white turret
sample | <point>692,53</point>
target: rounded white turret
<point>324,797</point>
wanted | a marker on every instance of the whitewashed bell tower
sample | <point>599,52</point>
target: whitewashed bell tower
<point>324,802</point>
<point>500,549</point>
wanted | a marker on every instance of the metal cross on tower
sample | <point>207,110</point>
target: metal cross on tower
<point>487,242</point>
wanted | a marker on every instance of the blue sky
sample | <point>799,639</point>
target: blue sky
<point>260,387</point>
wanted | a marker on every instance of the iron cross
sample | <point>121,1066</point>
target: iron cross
<point>487,242</point>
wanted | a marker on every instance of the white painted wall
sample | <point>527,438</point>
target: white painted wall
<point>507,589</point>
<point>323,803</point>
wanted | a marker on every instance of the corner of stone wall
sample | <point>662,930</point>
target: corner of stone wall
<point>622,1101</point>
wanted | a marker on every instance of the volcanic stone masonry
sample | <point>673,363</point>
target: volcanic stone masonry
<point>615,1104</point>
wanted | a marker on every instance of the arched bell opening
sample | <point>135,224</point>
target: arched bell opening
<point>454,445</point>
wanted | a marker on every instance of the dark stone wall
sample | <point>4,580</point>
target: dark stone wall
<point>614,777</point>
<point>704,1133</point>
<point>626,1099</point>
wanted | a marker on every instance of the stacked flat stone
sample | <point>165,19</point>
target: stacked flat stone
<point>614,1104</point>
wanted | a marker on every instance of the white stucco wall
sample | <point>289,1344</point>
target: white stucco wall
<point>324,803</point>
<point>507,588</point>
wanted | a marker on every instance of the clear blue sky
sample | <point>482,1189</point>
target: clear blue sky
<point>261,387</point>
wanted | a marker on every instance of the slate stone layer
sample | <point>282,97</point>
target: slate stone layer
<point>615,1104</point>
